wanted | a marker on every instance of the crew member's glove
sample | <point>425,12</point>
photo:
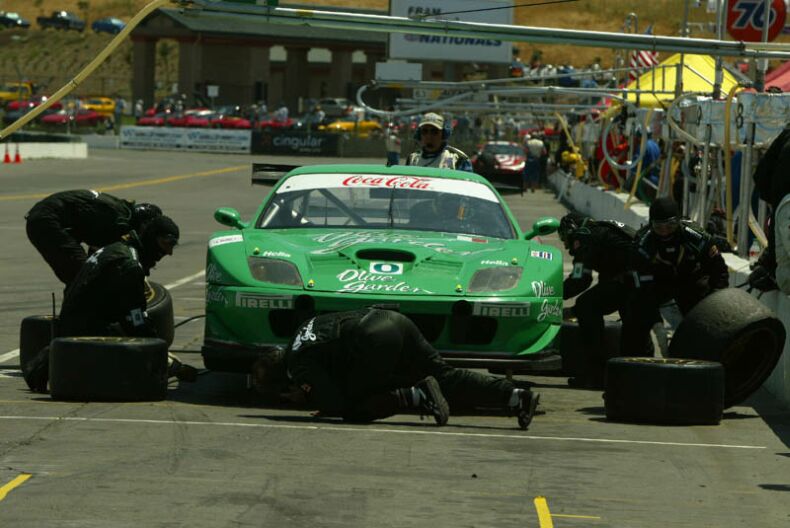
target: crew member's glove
<point>762,279</point>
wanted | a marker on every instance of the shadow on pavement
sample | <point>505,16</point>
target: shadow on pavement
<point>773,413</point>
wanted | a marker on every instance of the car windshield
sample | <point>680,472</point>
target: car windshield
<point>385,201</point>
<point>504,149</point>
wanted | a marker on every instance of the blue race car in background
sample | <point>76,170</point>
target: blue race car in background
<point>109,25</point>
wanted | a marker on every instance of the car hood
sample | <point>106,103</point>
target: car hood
<point>400,262</point>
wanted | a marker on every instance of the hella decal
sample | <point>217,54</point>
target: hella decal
<point>221,241</point>
<point>501,309</point>
<point>493,263</point>
<point>386,268</point>
<point>281,254</point>
<point>255,300</point>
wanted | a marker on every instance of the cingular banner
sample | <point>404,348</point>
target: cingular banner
<point>296,142</point>
<point>189,139</point>
<point>451,48</point>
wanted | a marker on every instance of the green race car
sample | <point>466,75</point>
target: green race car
<point>439,245</point>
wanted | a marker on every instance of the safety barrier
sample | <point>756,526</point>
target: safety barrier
<point>70,150</point>
<point>601,204</point>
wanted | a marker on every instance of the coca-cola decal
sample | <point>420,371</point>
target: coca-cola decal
<point>391,182</point>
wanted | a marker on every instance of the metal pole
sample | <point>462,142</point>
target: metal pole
<point>719,65</point>
<point>686,178</point>
<point>684,32</point>
<point>702,183</point>
<point>745,198</point>
<point>762,64</point>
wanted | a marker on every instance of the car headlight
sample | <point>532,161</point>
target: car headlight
<point>495,279</point>
<point>274,271</point>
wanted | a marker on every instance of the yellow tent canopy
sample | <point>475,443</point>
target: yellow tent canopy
<point>699,73</point>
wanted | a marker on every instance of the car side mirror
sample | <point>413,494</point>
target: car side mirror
<point>230,217</point>
<point>543,226</point>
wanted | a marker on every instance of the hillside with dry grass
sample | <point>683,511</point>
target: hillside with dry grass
<point>51,58</point>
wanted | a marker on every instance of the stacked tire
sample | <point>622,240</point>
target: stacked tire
<point>722,352</point>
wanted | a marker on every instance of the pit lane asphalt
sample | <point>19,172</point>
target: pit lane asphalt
<point>211,455</point>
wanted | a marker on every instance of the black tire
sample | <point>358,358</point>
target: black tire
<point>108,369</point>
<point>733,328</point>
<point>572,346</point>
<point>664,391</point>
<point>160,311</point>
<point>35,332</point>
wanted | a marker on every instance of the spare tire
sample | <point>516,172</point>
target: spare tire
<point>159,306</point>
<point>35,332</point>
<point>732,327</point>
<point>664,391</point>
<point>108,369</point>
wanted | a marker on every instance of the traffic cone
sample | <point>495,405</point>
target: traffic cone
<point>7,158</point>
<point>17,157</point>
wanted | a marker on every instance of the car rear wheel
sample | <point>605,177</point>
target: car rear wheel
<point>664,391</point>
<point>732,327</point>
<point>108,369</point>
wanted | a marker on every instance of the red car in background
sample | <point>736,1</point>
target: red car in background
<point>193,118</point>
<point>268,125</point>
<point>501,162</point>
<point>33,102</point>
<point>81,118</point>
<point>153,120</point>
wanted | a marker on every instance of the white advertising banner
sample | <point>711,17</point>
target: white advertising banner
<point>191,139</point>
<point>448,48</point>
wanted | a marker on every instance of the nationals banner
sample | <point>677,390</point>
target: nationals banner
<point>190,139</point>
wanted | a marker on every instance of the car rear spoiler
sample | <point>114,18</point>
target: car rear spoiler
<point>269,173</point>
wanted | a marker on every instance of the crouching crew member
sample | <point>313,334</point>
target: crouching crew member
<point>606,247</point>
<point>58,224</point>
<point>684,262</point>
<point>108,295</point>
<point>370,364</point>
<point>432,134</point>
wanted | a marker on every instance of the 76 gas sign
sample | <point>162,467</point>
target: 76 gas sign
<point>745,19</point>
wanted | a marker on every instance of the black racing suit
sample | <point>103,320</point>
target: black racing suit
<point>685,268</point>
<point>609,250</point>
<point>107,297</point>
<point>59,223</point>
<point>350,364</point>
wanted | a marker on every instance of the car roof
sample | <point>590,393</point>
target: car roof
<point>394,170</point>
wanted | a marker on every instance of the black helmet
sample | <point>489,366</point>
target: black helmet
<point>143,213</point>
<point>158,238</point>
<point>573,225</point>
<point>664,210</point>
<point>269,374</point>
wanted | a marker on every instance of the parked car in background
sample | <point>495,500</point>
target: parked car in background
<point>230,117</point>
<point>192,118</point>
<point>16,91</point>
<point>61,20</point>
<point>80,118</point>
<point>110,25</point>
<point>269,125</point>
<point>159,119</point>
<point>362,128</point>
<point>13,20</point>
<point>335,106</point>
<point>33,102</point>
<point>102,105</point>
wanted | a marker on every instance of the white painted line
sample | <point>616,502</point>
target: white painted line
<point>9,356</point>
<point>372,430</point>
<point>185,280</point>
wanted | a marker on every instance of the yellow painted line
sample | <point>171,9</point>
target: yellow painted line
<point>13,484</point>
<point>141,183</point>
<point>544,515</point>
<point>576,516</point>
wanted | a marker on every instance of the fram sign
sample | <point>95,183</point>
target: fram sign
<point>451,47</point>
<point>746,18</point>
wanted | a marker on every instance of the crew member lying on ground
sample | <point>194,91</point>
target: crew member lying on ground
<point>369,364</point>
<point>108,295</point>
<point>59,224</point>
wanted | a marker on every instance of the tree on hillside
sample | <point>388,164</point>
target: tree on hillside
<point>38,4</point>
<point>84,6</point>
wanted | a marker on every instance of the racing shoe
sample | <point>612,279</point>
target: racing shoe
<point>431,400</point>
<point>527,404</point>
<point>181,371</point>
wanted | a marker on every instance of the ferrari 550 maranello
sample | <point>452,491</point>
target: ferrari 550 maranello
<point>440,246</point>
